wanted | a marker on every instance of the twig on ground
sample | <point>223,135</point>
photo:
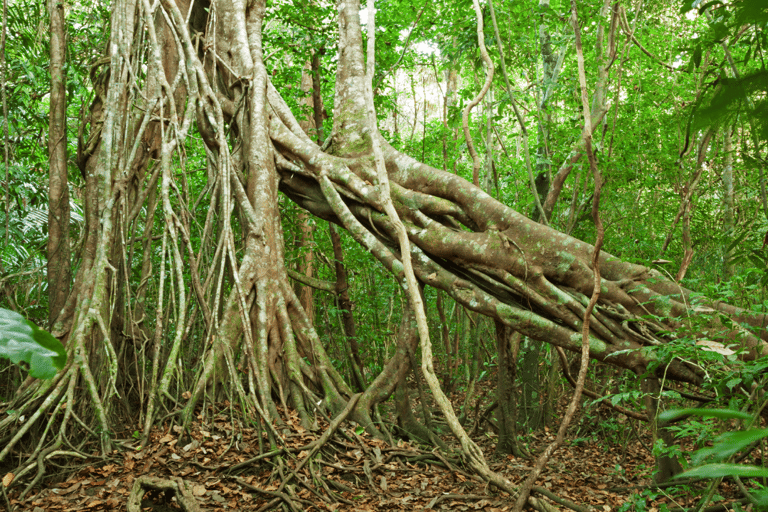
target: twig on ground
<point>455,469</point>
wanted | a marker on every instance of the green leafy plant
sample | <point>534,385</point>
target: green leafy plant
<point>714,462</point>
<point>639,502</point>
<point>22,340</point>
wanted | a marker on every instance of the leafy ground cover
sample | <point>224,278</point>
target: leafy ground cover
<point>220,467</point>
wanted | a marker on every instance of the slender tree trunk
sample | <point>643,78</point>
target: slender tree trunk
<point>548,76</point>
<point>530,384</point>
<point>305,241</point>
<point>317,98</point>
<point>451,90</point>
<point>59,266</point>
<point>729,269</point>
<point>491,180</point>
<point>347,306</point>
<point>606,51</point>
<point>445,337</point>
<point>666,466</point>
<point>686,192</point>
<point>507,345</point>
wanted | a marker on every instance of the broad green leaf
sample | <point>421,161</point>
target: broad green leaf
<point>729,443</point>
<point>722,414</point>
<point>686,6</point>
<point>738,241</point>
<point>720,31</point>
<point>762,500</point>
<point>718,470</point>
<point>21,340</point>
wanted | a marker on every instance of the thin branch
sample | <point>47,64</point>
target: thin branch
<point>479,97</point>
<point>572,406</point>
<point>631,34</point>
<point>524,132</point>
<point>393,68</point>
<point>6,141</point>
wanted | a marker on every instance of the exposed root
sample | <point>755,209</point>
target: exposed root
<point>181,490</point>
<point>45,409</point>
<point>558,499</point>
<point>476,497</point>
<point>330,470</point>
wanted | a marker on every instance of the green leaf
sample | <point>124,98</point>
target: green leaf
<point>738,240</point>
<point>722,414</point>
<point>762,500</point>
<point>704,7</point>
<point>720,31</point>
<point>718,470</point>
<point>686,6</point>
<point>729,443</point>
<point>697,56</point>
<point>21,340</point>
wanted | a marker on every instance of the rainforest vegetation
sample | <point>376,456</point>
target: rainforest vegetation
<point>465,235</point>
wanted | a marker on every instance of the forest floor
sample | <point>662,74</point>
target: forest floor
<point>605,465</point>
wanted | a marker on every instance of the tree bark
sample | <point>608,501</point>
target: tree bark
<point>59,266</point>
<point>347,307</point>
<point>508,345</point>
<point>666,466</point>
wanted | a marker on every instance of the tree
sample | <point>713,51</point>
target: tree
<point>59,265</point>
<point>176,70</point>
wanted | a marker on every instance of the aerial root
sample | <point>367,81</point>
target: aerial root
<point>181,489</point>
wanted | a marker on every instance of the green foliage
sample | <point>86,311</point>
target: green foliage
<point>23,252</point>
<point>722,414</point>
<point>744,94</point>
<point>715,461</point>
<point>639,502</point>
<point>728,444</point>
<point>718,470</point>
<point>734,97</point>
<point>21,340</point>
<point>648,113</point>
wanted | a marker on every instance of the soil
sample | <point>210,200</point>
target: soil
<point>605,465</point>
